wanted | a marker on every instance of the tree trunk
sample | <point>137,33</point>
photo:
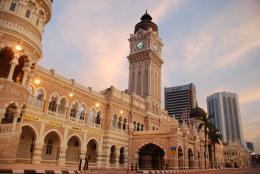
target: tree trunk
<point>215,162</point>
<point>205,154</point>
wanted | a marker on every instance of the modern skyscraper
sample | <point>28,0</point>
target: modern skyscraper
<point>223,109</point>
<point>179,100</point>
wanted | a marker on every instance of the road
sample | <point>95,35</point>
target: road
<point>233,171</point>
<point>222,171</point>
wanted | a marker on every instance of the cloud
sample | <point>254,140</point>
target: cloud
<point>222,42</point>
<point>98,32</point>
<point>249,95</point>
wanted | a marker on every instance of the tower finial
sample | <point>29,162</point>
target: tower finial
<point>145,11</point>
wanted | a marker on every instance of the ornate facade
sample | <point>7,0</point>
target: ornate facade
<point>46,118</point>
<point>236,156</point>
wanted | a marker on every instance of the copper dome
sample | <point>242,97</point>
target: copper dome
<point>146,23</point>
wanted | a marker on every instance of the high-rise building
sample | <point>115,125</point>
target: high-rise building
<point>179,101</point>
<point>224,112</point>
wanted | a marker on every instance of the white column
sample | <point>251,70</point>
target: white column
<point>26,70</point>
<point>13,63</point>
<point>30,77</point>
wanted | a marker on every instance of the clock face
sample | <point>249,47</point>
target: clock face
<point>155,47</point>
<point>140,45</point>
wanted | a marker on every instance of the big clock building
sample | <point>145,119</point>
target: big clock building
<point>49,119</point>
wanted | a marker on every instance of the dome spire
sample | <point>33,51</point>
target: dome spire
<point>146,17</point>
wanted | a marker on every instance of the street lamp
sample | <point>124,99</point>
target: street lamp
<point>37,81</point>
<point>18,48</point>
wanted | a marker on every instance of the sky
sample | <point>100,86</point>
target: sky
<point>213,44</point>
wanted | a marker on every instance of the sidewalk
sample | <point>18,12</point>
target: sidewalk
<point>40,168</point>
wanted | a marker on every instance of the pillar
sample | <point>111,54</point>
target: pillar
<point>37,155</point>
<point>82,157</point>
<point>26,70</point>
<point>174,163</point>
<point>13,63</point>
<point>14,123</point>
<point>99,160</point>
<point>117,158</point>
<point>62,156</point>
<point>185,155</point>
<point>30,77</point>
<point>45,106</point>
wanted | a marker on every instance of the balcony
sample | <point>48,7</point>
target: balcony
<point>35,108</point>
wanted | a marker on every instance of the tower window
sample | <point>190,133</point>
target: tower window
<point>12,7</point>
<point>27,14</point>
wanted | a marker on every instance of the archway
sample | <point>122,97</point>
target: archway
<point>113,155</point>
<point>180,157</point>
<point>91,154</point>
<point>73,149</point>
<point>26,145</point>
<point>190,157</point>
<point>50,150</point>
<point>122,156</point>
<point>151,156</point>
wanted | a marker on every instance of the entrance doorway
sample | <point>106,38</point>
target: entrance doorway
<point>151,156</point>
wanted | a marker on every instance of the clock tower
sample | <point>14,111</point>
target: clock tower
<point>145,63</point>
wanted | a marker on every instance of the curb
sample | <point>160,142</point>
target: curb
<point>17,171</point>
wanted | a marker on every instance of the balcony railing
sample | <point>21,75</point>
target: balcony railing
<point>37,108</point>
<point>5,128</point>
<point>94,125</point>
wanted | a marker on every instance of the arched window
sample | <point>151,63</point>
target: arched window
<point>28,13</point>
<point>124,124</point>
<point>134,125</point>
<point>53,103</point>
<point>39,95</point>
<point>119,125</point>
<point>49,147</point>
<point>122,156</point>
<point>62,106</point>
<point>138,127</point>
<point>114,121</point>
<point>10,112</point>
<point>74,110</point>
<point>98,118</point>
<point>113,155</point>
<point>142,127</point>
<point>82,111</point>
<point>12,6</point>
<point>6,56</point>
<point>91,116</point>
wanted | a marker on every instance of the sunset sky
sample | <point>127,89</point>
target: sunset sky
<point>213,44</point>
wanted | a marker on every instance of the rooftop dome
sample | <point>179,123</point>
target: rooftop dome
<point>146,23</point>
<point>197,112</point>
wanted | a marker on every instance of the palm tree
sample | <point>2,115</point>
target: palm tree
<point>200,115</point>
<point>215,137</point>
